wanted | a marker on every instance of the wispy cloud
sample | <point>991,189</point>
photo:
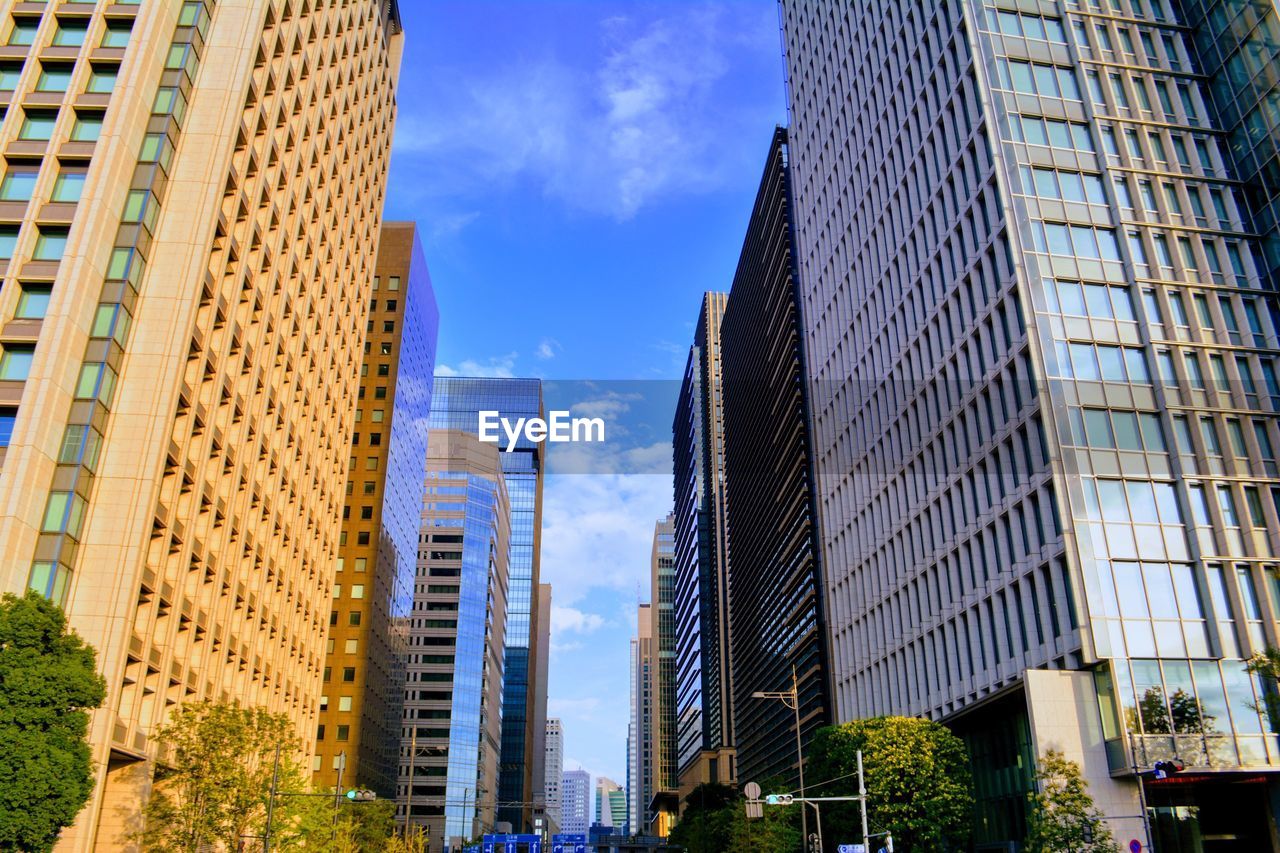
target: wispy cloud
<point>547,348</point>
<point>501,366</point>
<point>649,114</point>
<point>572,620</point>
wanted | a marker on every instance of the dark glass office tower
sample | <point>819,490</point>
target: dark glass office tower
<point>770,517</point>
<point>1237,45</point>
<point>703,725</point>
<point>455,405</point>
<point>1042,367</point>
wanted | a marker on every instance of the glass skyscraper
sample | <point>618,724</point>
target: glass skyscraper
<point>451,739</point>
<point>1041,356</point>
<point>455,404</point>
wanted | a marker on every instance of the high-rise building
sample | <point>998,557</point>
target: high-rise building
<point>538,686</point>
<point>664,805</point>
<point>1237,45</point>
<point>770,513</point>
<point>703,720</point>
<point>575,802</point>
<point>360,710</point>
<point>1040,357</point>
<point>180,351</point>
<point>553,769</point>
<point>452,733</point>
<point>455,404</point>
<point>640,789</point>
<point>611,805</point>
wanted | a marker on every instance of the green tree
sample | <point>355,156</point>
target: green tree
<point>705,825</point>
<point>48,684</point>
<point>777,832</point>
<point>215,778</point>
<point>329,822</point>
<point>917,777</point>
<point>1063,818</point>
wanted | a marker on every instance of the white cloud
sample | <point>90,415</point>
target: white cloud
<point>652,115</point>
<point>597,532</point>
<point>573,620</point>
<point>502,366</point>
<point>449,225</point>
<point>547,349</point>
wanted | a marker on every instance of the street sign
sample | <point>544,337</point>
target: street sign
<point>1135,846</point>
<point>752,790</point>
<point>852,848</point>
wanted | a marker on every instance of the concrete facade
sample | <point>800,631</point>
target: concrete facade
<point>1039,347</point>
<point>181,347</point>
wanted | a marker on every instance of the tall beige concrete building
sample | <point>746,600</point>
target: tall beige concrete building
<point>189,247</point>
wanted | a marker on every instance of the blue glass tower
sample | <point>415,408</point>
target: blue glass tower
<point>456,404</point>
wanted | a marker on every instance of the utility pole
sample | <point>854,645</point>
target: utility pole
<point>791,699</point>
<point>862,803</point>
<point>413,772</point>
<point>271,801</point>
<point>337,795</point>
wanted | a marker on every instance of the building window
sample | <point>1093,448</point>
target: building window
<point>87,128</point>
<point>344,732</point>
<point>102,81</point>
<point>344,703</point>
<point>23,32</point>
<point>351,647</point>
<point>33,304</point>
<point>116,35</point>
<point>348,674</point>
<point>8,418</point>
<point>54,78</point>
<point>357,590</point>
<point>50,245</point>
<point>69,185</point>
<point>15,362</point>
<point>18,184</point>
<point>10,72</point>
<point>37,126</point>
<point>70,34</point>
<point>8,240</point>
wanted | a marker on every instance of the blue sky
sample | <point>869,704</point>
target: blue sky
<point>580,173</point>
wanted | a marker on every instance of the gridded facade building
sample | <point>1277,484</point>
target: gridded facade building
<point>575,794</point>
<point>189,218</point>
<point>662,571</point>
<point>704,736</point>
<point>1041,361</point>
<point>455,404</point>
<point>451,740</point>
<point>641,747</point>
<point>770,513</point>
<point>554,771</point>
<point>360,709</point>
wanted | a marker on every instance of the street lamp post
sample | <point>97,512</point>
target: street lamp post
<point>791,699</point>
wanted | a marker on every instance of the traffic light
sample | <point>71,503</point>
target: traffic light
<point>1165,769</point>
<point>779,799</point>
<point>361,795</point>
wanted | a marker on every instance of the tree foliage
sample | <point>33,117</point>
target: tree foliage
<point>917,778</point>
<point>704,825</point>
<point>217,779</point>
<point>715,821</point>
<point>48,684</point>
<point>1062,817</point>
